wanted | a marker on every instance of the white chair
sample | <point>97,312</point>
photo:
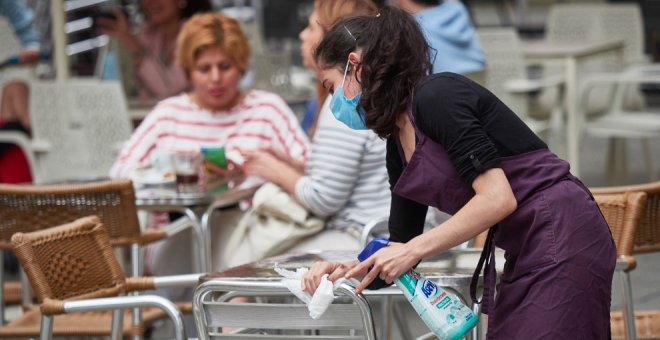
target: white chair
<point>617,123</point>
<point>260,319</point>
<point>506,77</point>
<point>573,23</point>
<point>77,129</point>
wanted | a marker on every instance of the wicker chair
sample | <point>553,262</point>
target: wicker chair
<point>646,240</point>
<point>31,208</point>
<point>72,268</point>
<point>623,212</point>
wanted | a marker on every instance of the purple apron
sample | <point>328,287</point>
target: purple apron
<point>559,252</point>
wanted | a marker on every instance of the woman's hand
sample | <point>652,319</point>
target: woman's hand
<point>263,164</point>
<point>312,278</point>
<point>118,28</point>
<point>216,172</point>
<point>388,263</point>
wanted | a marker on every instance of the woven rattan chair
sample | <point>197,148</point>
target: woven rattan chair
<point>623,213</point>
<point>30,208</point>
<point>72,268</point>
<point>646,240</point>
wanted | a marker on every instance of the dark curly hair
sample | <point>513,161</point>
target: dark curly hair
<point>395,57</point>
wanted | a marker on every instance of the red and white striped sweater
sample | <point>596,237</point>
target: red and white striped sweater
<point>262,119</point>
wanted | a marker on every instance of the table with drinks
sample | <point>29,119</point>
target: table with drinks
<point>452,270</point>
<point>197,196</point>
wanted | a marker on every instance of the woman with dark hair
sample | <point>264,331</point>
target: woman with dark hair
<point>152,48</point>
<point>453,145</point>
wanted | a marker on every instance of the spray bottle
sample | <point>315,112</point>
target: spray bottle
<point>444,314</point>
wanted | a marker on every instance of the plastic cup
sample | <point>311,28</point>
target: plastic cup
<point>187,165</point>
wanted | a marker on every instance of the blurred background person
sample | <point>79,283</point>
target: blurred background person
<point>153,48</point>
<point>14,109</point>
<point>450,33</point>
<point>345,179</point>
<point>213,52</point>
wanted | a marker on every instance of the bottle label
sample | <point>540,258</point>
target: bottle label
<point>443,313</point>
<point>409,282</point>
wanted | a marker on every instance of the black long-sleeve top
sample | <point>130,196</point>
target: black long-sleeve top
<point>473,126</point>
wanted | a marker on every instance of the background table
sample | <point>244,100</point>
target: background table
<point>198,208</point>
<point>571,54</point>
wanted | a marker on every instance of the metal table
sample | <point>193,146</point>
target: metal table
<point>198,208</point>
<point>451,270</point>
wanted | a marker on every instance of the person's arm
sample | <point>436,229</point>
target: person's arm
<point>264,164</point>
<point>492,202</point>
<point>333,169</point>
<point>21,17</point>
<point>406,222</point>
<point>120,29</point>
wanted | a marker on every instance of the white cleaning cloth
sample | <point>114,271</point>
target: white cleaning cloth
<point>323,296</point>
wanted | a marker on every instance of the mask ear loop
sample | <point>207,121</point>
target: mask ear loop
<point>345,72</point>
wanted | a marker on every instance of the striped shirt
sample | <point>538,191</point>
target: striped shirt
<point>346,177</point>
<point>262,119</point>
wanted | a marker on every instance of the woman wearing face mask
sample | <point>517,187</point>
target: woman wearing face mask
<point>453,145</point>
<point>153,47</point>
<point>344,179</point>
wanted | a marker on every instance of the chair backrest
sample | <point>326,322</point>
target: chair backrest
<point>622,212</point>
<point>504,62</point>
<point>647,236</point>
<point>260,319</point>
<point>71,261</point>
<point>79,126</point>
<point>572,22</point>
<point>623,21</point>
<point>29,208</point>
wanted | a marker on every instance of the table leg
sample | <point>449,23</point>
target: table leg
<point>573,123</point>
<point>205,231</point>
<point>206,237</point>
<point>199,256</point>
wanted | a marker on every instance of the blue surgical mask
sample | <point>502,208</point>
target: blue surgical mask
<point>345,110</point>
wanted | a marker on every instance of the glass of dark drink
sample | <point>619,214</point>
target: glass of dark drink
<point>187,166</point>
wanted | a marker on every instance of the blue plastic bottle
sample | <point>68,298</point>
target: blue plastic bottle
<point>444,314</point>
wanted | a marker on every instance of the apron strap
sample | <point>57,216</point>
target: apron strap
<point>490,275</point>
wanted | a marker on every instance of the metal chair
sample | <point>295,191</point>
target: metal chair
<point>72,269</point>
<point>31,208</point>
<point>623,212</point>
<point>261,319</point>
<point>77,129</point>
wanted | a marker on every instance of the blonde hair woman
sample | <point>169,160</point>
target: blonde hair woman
<point>213,52</point>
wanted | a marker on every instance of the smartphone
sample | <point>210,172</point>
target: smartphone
<point>215,155</point>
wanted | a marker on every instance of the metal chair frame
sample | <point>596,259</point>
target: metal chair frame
<point>211,299</point>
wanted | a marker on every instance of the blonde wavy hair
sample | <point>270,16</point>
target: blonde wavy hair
<point>207,30</point>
